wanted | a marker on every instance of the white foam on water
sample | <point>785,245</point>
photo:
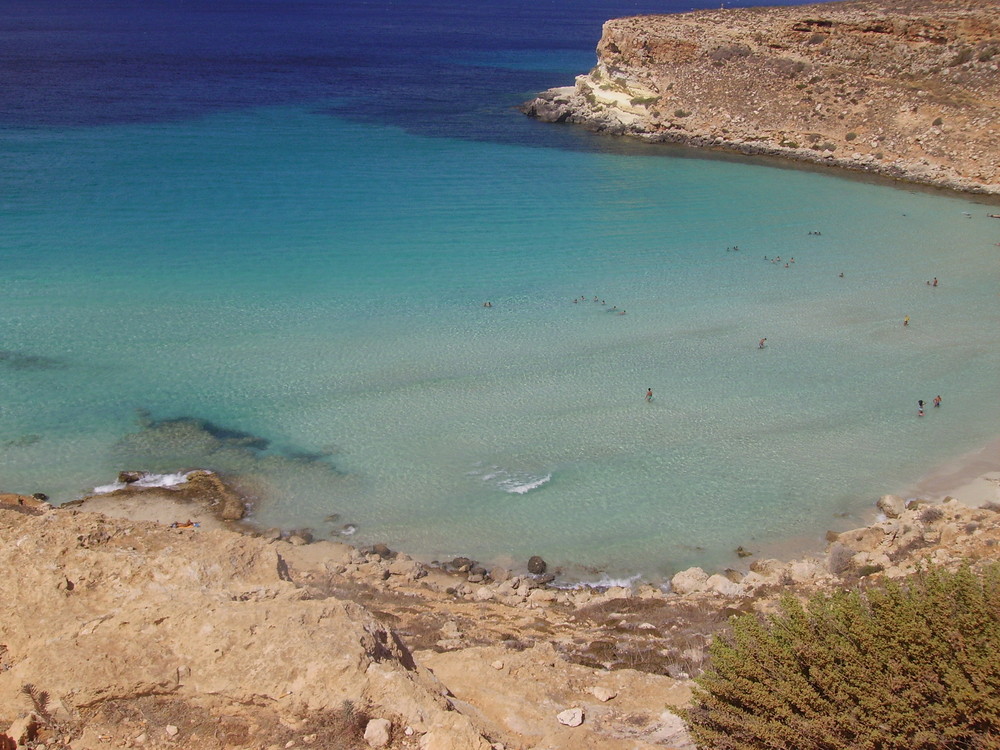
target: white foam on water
<point>513,482</point>
<point>148,480</point>
<point>604,582</point>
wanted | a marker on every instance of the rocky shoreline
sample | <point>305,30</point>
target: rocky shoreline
<point>159,634</point>
<point>906,90</point>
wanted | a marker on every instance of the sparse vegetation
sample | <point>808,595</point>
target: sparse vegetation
<point>963,56</point>
<point>729,52</point>
<point>909,667</point>
<point>931,515</point>
<point>681,113</point>
<point>850,136</point>
<point>938,122</point>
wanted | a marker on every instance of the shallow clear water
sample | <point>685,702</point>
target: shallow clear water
<point>291,292</point>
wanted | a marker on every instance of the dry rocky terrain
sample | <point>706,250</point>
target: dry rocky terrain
<point>908,89</point>
<point>117,632</point>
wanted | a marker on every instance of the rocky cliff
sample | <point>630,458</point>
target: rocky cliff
<point>909,89</point>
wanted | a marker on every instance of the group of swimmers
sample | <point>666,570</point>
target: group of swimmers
<point>920,405</point>
<point>612,309</point>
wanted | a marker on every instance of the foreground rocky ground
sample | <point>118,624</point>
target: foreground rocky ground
<point>909,89</point>
<point>117,632</point>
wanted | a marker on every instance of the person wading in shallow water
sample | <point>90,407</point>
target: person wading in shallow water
<point>649,394</point>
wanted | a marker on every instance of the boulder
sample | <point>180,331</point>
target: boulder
<point>891,505</point>
<point>689,581</point>
<point>723,586</point>
<point>536,565</point>
<point>805,571</point>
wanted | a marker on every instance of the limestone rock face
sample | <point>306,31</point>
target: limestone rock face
<point>905,88</point>
<point>103,609</point>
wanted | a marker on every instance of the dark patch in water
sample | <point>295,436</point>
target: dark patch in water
<point>21,361</point>
<point>22,442</point>
<point>222,434</point>
<point>308,456</point>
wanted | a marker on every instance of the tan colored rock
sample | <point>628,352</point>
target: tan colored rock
<point>204,617</point>
<point>892,505</point>
<point>602,693</point>
<point>571,717</point>
<point>378,732</point>
<point>689,581</point>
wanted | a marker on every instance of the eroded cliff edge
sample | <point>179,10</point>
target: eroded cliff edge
<point>908,89</point>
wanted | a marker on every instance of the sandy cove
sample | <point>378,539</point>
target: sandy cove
<point>218,636</point>
<point>903,89</point>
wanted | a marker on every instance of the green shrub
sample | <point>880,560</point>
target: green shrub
<point>938,122</point>
<point>850,136</point>
<point>681,113</point>
<point>897,668</point>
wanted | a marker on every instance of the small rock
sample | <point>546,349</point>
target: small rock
<point>602,693</point>
<point>296,540</point>
<point>571,717</point>
<point>498,664</point>
<point>171,730</point>
<point>377,732</point>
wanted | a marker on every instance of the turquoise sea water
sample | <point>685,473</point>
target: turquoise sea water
<point>292,294</point>
<point>269,282</point>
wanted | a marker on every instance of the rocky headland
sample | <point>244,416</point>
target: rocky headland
<point>205,632</point>
<point>906,89</point>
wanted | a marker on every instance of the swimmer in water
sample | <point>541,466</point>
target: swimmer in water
<point>649,394</point>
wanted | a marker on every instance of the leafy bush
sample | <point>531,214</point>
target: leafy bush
<point>938,122</point>
<point>901,668</point>
<point>850,136</point>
